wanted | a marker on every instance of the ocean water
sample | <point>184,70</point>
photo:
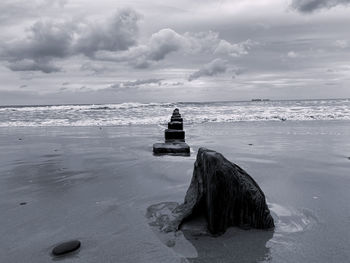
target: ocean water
<point>159,113</point>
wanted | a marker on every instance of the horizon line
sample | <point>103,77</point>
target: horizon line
<point>164,102</point>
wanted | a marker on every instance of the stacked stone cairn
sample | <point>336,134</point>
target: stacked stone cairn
<point>174,138</point>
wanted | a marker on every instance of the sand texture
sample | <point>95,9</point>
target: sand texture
<point>104,186</point>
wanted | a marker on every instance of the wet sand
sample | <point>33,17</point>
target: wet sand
<point>96,184</point>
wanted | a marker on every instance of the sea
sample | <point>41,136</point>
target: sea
<point>133,113</point>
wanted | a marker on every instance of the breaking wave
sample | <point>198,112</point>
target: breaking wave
<point>158,113</point>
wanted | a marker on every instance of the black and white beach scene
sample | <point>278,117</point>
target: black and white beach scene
<point>214,131</point>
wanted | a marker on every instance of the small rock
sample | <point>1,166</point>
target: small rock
<point>20,139</point>
<point>177,148</point>
<point>171,134</point>
<point>66,247</point>
<point>349,158</point>
<point>23,203</point>
<point>174,118</point>
<point>175,125</point>
<point>250,144</point>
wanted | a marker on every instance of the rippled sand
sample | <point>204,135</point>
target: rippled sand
<point>96,185</point>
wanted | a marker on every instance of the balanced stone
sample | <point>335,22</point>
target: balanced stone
<point>176,119</point>
<point>178,148</point>
<point>174,138</point>
<point>175,125</point>
<point>66,247</point>
<point>171,134</point>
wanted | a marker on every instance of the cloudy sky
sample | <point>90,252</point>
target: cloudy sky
<point>84,51</point>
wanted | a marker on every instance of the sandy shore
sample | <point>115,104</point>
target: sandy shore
<point>96,185</point>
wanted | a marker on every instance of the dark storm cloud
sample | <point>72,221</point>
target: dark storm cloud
<point>309,6</point>
<point>49,40</point>
<point>213,68</point>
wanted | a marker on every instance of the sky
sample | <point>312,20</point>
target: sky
<point>107,51</point>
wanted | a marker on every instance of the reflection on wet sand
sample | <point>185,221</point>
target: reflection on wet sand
<point>236,245</point>
<point>194,242</point>
<point>46,173</point>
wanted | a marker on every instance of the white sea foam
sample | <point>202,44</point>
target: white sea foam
<point>288,220</point>
<point>158,113</point>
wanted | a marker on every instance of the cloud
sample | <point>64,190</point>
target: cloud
<point>134,83</point>
<point>234,50</point>
<point>209,42</point>
<point>159,45</point>
<point>292,54</point>
<point>236,71</point>
<point>309,6</point>
<point>60,3</point>
<point>167,41</point>
<point>164,42</point>
<point>114,39</point>
<point>118,33</point>
<point>14,12</point>
<point>177,83</point>
<point>49,40</point>
<point>33,65</point>
<point>341,43</point>
<point>141,82</point>
<point>95,68</point>
<point>45,40</point>
<point>213,68</point>
<point>202,42</point>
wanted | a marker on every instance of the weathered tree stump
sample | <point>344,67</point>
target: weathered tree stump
<point>224,193</point>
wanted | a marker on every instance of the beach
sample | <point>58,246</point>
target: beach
<point>96,183</point>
